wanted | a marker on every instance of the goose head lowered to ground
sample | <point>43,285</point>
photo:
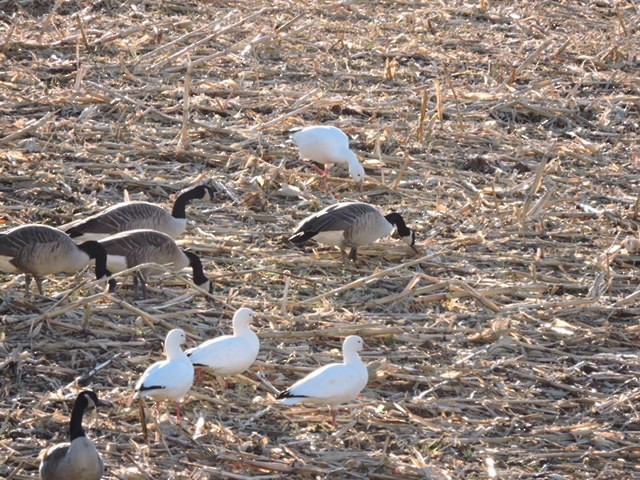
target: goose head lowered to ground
<point>350,225</point>
<point>39,250</point>
<point>135,247</point>
<point>328,145</point>
<point>137,215</point>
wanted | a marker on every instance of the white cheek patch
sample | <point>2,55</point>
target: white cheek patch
<point>116,263</point>
<point>6,265</point>
<point>334,238</point>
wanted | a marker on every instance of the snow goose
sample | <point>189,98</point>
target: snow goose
<point>135,247</point>
<point>168,379</point>
<point>332,384</point>
<point>229,354</point>
<point>38,250</point>
<point>77,459</point>
<point>137,215</point>
<point>328,145</point>
<point>352,225</point>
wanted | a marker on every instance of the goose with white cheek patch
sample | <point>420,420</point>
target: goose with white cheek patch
<point>168,379</point>
<point>350,225</point>
<point>77,459</point>
<point>137,215</point>
<point>332,384</point>
<point>135,247</point>
<point>329,145</point>
<point>229,354</point>
<point>39,250</point>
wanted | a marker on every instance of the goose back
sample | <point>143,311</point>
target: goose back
<point>123,217</point>
<point>324,144</point>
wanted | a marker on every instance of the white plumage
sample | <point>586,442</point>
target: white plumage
<point>229,354</point>
<point>328,145</point>
<point>332,384</point>
<point>168,379</point>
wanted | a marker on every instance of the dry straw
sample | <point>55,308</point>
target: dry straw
<point>505,132</point>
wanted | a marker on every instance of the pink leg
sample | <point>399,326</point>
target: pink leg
<point>334,413</point>
<point>178,411</point>
<point>323,173</point>
<point>196,381</point>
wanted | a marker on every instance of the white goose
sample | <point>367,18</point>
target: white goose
<point>332,384</point>
<point>77,459</point>
<point>168,379</point>
<point>135,215</point>
<point>229,354</point>
<point>328,145</point>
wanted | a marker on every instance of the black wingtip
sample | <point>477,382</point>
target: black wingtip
<point>302,237</point>
<point>145,388</point>
<point>284,394</point>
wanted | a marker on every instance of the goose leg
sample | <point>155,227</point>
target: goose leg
<point>39,285</point>
<point>324,173</point>
<point>198,377</point>
<point>178,411</point>
<point>334,414</point>
<point>27,283</point>
<point>143,419</point>
<point>138,280</point>
<point>353,254</point>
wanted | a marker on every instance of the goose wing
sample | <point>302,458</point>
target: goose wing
<point>166,376</point>
<point>335,217</point>
<point>15,239</point>
<point>333,383</point>
<point>225,355</point>
<point>133,242</point>
<point>118,218</point>
<point>52,458</point>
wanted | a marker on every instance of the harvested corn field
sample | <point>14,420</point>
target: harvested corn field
<point>506,134</point>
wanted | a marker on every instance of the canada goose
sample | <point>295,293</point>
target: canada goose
<point>168,379</point>
<point>328,145</point>
<point>77,459</point>
<point>352,225</point>
<point>332,384</point>
<point>229,354</point>
<point>135,247</point>
<point>38,250</point>
<point>136,215</point>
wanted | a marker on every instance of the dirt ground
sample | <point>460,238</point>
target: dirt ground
<point>505,132</point>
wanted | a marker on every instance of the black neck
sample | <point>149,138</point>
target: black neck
<point>198,274</point>
<point>96,250</point>
<point>397,220</point>
<point>75,425</point>
<point>180,206</point>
